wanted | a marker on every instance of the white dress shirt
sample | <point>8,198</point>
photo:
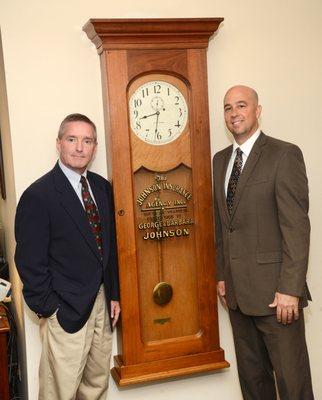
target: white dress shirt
<point>246,149</point>
<point>74,180</point>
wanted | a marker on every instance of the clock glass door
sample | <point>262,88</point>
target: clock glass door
<point>164,207</point>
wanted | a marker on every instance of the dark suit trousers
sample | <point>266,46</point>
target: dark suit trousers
<point>262,346</point>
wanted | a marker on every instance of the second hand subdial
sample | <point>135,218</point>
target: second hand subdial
<point>157,103</point>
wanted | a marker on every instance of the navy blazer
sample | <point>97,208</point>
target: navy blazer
<point>56,254</point>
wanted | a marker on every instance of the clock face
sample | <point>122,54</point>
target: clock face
<point>158,112</point>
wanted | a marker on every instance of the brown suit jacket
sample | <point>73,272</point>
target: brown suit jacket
<point>263,247</point>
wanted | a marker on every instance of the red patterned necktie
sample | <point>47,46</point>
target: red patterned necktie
<point>233,180</point>
<point>92,214</point>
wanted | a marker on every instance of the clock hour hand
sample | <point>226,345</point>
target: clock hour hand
<point>150,115</point>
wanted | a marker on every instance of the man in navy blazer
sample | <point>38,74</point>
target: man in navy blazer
<point>68,267</point>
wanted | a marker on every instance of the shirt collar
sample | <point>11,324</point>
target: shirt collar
<point>72,176</point>
<point>247,146</point>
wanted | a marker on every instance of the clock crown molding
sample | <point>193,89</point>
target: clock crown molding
<point>151,33</point>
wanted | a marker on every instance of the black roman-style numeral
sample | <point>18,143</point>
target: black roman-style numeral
<point>157,89</point>
<point>145,92</point>
<point>137,102</point>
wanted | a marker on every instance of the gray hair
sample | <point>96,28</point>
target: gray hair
<point>76,118</point>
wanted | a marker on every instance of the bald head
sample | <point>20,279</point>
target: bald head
<point>242,90</point>
<point>242,112</point>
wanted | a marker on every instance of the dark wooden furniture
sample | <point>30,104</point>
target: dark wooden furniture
<point>4,379</point>
<point>163,194</point>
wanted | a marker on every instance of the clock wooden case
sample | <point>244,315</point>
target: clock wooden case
<point>158,148</point>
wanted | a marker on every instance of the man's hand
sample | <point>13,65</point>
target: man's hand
<point>221,291</point>
<point>115,311</point>
<point>287,308</point>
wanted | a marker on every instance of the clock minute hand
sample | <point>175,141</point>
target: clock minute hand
<point>156,124</point>
<point>150,115</point>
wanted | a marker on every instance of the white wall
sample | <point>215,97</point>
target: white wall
<point>52,69</point>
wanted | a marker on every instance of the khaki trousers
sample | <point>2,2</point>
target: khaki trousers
<point>76,366</point>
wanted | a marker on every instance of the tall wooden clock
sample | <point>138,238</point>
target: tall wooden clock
<point>158,147</point>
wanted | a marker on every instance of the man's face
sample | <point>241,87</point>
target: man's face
<point>77,146</point>
<point>241,112</point>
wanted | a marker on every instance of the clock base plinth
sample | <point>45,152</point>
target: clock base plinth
<point>164,369</point>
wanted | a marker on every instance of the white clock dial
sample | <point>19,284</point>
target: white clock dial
<point>158,112</point>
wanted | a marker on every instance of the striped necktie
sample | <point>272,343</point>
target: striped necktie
<point>233,180</point>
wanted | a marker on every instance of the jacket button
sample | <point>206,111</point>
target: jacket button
<point>231,230</point>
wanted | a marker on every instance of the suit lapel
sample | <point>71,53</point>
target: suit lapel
<point>70,201</point>
<point>247,170</point>
<point>222,178</point>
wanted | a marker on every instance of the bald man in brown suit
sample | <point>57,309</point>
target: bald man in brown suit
<point>262,242</point>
